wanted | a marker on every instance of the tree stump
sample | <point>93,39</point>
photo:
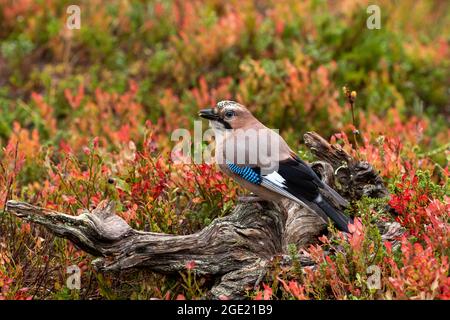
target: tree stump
<point>236,249</point>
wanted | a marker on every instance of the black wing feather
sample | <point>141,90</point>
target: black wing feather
<point>304,184</point>
<point>300,179</point>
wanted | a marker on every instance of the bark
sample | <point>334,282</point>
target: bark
<point>236,249</point>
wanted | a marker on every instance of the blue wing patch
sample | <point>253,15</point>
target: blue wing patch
<point>246,173</point>
<point>273,182</point>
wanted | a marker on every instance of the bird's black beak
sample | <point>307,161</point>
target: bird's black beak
<point>210,114</point>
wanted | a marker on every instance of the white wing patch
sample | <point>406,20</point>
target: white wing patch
<point>275,182</point>
<point>276,179</point>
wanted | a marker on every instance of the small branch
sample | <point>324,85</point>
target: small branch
<point>354,179</point>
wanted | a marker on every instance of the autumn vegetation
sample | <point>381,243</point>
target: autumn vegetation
<point>87,115</point>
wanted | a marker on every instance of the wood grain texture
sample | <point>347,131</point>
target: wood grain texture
<point>236,249</point>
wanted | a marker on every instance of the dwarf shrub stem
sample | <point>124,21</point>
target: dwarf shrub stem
<point>351,98</point>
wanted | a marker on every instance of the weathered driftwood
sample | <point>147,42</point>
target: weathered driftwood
<point>235,249</point>
<point>353,179</point>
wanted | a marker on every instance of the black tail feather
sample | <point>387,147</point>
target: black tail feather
<point>340,219</point>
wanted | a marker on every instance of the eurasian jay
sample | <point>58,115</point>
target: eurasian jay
<point>271,172</point>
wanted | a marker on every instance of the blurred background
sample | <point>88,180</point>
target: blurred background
<point>87,113</point>
<point>286,60</point>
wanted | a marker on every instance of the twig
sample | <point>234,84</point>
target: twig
<point>351,98</point>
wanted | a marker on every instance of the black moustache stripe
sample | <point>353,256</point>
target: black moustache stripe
<point>225,124</point>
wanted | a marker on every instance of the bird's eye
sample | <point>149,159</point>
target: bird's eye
<point>229,114</point>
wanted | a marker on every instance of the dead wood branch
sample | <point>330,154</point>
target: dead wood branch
<point>235,249</point>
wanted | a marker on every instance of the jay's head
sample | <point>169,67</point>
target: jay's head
<point>228,115</point>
